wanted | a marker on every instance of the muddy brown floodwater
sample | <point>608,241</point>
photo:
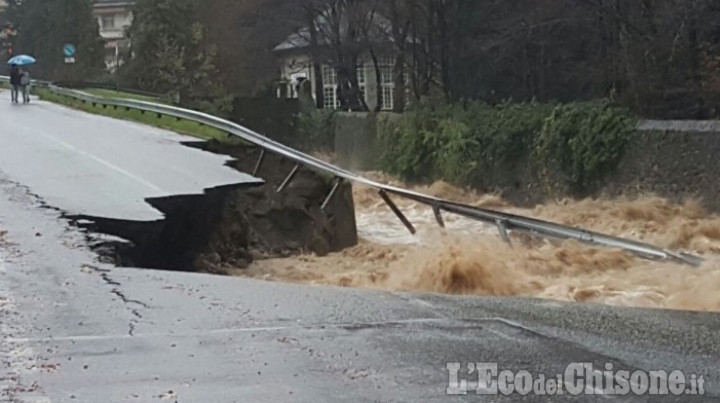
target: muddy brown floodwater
<point>469,258</point>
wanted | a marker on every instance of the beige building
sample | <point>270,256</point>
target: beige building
<point>297,68</point>
<point>113,17</point>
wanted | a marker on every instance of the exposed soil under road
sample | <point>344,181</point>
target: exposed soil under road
<point>231,226</point>
<point>469,258</point>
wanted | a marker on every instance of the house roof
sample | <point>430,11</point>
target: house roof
<point>379,31</point>
<point>296,40</point>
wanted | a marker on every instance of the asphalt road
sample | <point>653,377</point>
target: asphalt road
<point>92,165</point>
<point>75,330</point>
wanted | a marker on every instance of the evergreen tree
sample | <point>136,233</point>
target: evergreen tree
<point>171,53</point>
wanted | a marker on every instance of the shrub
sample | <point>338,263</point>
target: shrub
<point>461,144</point>
<point>408,142</point>
<point>221,107</point>
<point>582,142</point>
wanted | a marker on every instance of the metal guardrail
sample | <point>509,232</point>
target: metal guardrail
<point>83,85</point>
<point>505,222</point>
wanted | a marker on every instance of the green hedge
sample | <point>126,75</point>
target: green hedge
<point>582,142</point>
<point>459,143</point>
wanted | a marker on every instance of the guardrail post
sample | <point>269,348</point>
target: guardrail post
<point>259,163</point>
<point>397,212</point>
<point>289,178</point>
<point>438,215</point>
<point>336,186</point>
<point>502,227</point>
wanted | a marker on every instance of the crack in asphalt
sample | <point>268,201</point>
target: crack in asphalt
<point>38,200</point>
<point>127,301</point>
<point>110,281</point>
<point>119,293</point>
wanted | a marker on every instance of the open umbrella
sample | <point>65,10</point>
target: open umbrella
<point>22,60</point>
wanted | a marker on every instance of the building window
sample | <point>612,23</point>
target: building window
<point>329,76</point>
<point>362,81</point>
<point>387,83</point>
<point>330,96</point>
<point>387,98</point>
<point>361,75</point>
<point>108,22</point>
<point>408,88</point>
<point>386,75</point>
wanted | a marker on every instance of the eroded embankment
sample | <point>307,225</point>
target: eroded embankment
<point>232,226</point>
<point>469,257</point>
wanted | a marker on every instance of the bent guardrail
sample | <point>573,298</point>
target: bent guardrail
<point>503,221</point>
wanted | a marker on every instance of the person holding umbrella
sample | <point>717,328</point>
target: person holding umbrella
<point>16,76</point>
<point>14,82</point>
<point>25,85</point>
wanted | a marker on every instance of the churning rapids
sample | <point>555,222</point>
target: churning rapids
<point>470,258</point>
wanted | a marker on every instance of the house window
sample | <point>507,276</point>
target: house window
<point>361,75</point>
<point>386,75</point>
<point>362,81</point>
<point>108,22</point>
<point>387,83</point>
<point>330,96</point>
<point>387,98</point>
<point>329,76</point>
<point>408,92</point>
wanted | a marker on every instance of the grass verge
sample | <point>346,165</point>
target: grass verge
<point>165,122</point>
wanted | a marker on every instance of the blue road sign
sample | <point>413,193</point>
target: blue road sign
<point>69,50</point>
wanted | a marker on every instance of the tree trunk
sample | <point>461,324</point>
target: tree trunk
<point>400,88</point>
<point>315,60</point>
<point>378,81</point>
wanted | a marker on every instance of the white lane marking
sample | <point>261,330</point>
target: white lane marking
<point>98,160</point>
<point>358,325</point>
<point>502,335</point>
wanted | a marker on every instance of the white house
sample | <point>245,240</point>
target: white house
<point>113,17</point>
<point>297,67</point>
